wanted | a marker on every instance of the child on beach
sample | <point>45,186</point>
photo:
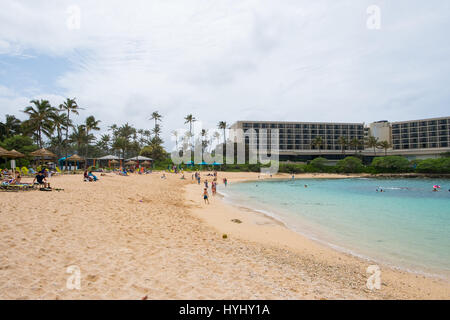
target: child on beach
<point>205,196</point>
<point>213,188</point>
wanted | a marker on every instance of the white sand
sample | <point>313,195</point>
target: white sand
<point>142,236</point>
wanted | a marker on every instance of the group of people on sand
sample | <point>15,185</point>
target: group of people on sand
<point>89,176</point>
<point>197,177</point>
<point>10,178</point>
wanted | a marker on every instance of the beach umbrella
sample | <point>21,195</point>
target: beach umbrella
<point>216,164</point>
<point>146,163</point>
<point>13,154</point>
<point>131,163</point>
<point>3,152</point>
<point>43,153</point>
<point>203,163</point>
<point>75,158</point>
<point>113,162</point>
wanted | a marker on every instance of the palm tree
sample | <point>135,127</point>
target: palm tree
<point>60,123</point>
<point>384,145</point>
<point>157,117</point>
<point>79,136</point>
<point>223,125</point>
<point>318,143</point>
<point>190,119</point>
<point>104,142</point>
<point>343,143</point>
<point>40,118</point>
<point>355,143</point>
<point>11,125</point>
<point>69,106</point>
<point>372,142</point>
<point>91,124</point>
<point>204,135</point>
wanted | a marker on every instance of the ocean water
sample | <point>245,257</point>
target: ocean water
<point>407,226</point>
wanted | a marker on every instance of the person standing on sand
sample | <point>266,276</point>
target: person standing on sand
<point>206,184</point>
<point>213,188</point>
<point>205,195</point>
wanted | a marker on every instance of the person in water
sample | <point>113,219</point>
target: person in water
<point>205,195</point>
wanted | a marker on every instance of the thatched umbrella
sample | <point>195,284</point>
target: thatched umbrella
<point>43,153</point>
<point>131,163</point>
<point>114,162</point>
<point>75,157</point>
<point>146,164</point>
<point>3,152</point>
<point>13,154</point>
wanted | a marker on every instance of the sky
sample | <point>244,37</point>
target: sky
<point>226,60</point>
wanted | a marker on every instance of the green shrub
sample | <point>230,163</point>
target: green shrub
<point>350,165</point>
<point>391,164</point>
<point>319,163</point>
<point>440,165</point>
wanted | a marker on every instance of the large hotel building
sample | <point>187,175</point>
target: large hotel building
<point>413,139</point>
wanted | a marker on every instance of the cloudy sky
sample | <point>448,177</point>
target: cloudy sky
<point>227,60</point>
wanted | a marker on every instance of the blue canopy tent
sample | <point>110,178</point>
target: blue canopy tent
<point>203,163</point>
<point>190,163</point>
<point>216,164</point>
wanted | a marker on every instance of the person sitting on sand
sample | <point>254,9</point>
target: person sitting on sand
<point>205,195</point>
<point>86,176</point>
<point>163,176</point>
<point>18,178</point>
<point>41,180</point>
<point>92,176</point>
<point>182,177</point>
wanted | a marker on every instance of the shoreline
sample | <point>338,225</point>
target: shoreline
<point>254,227</point>
<point>143,236</point>
<point>330,245</point>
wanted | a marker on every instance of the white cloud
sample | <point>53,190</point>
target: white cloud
<point>231,60</point>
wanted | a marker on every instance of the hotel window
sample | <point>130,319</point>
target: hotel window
<point>273,126</point>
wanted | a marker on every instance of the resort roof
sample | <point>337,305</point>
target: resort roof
<point>109,157</point>
<point>140,158</point>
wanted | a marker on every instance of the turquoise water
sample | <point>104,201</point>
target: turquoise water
<point>407,226</point>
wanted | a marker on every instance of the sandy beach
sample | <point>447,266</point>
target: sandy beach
<point>145,237</point>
